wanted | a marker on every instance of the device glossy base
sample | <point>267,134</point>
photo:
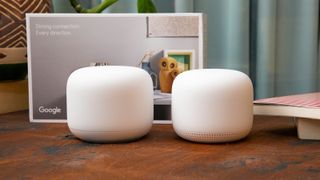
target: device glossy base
<point>211,137</point>
<point>110,136</point>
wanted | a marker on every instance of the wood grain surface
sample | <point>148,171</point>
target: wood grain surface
<point>45,151</point>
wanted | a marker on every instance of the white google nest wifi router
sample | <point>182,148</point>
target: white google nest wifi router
<point>212,105</point>
<point>109,103</point>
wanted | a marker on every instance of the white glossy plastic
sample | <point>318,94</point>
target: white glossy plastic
<point>109,103</point>
<point>212,105</point>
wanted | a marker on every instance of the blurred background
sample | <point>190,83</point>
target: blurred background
<point>275,42</point>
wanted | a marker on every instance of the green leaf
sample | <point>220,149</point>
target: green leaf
<point>146,6</point>
<point>97,9</point>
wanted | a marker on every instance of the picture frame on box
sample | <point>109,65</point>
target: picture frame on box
<point>184,58</point>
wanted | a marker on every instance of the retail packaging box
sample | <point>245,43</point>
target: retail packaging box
<point>58,44</point>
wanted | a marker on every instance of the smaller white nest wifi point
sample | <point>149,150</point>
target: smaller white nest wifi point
<point>109,103</point>
<point>212,105</point>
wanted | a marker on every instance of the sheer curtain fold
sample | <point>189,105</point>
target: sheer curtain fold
<point>184,5</point>
<point>265,51</point>
<point>297,46</point>
<point>283,40</point>
<point>228,32</point>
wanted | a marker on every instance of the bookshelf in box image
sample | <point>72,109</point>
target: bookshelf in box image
<point>304,107</point>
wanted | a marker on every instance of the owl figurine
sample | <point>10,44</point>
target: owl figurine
<point>168,71</point>
<point>175,72</point>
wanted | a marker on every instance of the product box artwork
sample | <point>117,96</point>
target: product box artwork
<point>54,30</point>
<point>164,45</point>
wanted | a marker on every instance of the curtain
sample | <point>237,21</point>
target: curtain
<point>286,43</point>
<point>123,6</point>
<point>275,42</point>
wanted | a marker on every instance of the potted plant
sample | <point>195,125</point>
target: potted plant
<point>143,6</point>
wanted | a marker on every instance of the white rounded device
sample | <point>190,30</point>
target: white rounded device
<point>212,105</point>
<point>109,103</point>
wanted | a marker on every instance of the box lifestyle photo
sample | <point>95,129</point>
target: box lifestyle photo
<point>58,44</point>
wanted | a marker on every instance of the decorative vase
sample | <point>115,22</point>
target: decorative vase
<point>13,51</point>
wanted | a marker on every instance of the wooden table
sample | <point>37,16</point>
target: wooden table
<point>40,151</point>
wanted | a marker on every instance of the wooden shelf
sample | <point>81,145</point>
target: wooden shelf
<point>13,96</point>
